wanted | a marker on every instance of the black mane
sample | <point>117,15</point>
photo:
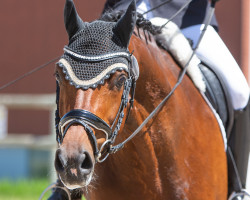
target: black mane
<point>141,22</point>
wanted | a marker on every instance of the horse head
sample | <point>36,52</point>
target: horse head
<point>94,77</point>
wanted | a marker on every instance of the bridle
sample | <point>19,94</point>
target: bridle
<point>89,120</point>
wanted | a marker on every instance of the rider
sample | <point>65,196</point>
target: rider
<point>211,50</point>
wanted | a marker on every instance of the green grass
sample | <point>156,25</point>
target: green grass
<point>22,189</point>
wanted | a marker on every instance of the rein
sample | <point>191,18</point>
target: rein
<point>158,108</point>
<point>55,186</point>
<point>29,73</point>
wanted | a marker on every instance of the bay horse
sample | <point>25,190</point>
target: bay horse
<point>179,154</point>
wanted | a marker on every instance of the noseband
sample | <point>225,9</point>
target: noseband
<point>86,119</point>
<point>89,120</point>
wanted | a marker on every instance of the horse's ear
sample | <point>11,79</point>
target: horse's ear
<point>125,26</point>
<point>73,23</point>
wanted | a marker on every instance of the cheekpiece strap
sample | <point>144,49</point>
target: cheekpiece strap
<point>98,58</point>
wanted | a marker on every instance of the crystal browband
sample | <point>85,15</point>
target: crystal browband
<point>98,58</point>
<point>93,83</point>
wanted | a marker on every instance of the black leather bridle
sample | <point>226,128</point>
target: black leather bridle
<point>90,121</point>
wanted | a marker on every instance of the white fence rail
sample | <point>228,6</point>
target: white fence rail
<point>28,101</point>
<point>25,102</point>
<point>29,141</point>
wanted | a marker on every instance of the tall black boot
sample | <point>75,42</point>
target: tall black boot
<point>239,144</point>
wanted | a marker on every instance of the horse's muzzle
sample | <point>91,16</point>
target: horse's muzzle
<point>76,171</point>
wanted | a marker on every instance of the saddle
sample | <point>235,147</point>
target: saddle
<point>217,94</point>
<point>236,124</point>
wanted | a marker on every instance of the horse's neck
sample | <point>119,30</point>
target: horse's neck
<point>158,72</point>
<point>137,163</point>
<point>132,172</point>
<point>159,162</point>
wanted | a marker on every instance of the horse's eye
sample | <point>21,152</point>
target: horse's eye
<point>120,81</point>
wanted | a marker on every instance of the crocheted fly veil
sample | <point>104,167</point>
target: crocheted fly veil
<point>95,49</point>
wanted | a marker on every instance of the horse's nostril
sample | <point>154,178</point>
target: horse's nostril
<point>59,161</point>
<point>86,162</point>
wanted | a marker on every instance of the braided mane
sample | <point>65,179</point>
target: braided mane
<point>141,22</point>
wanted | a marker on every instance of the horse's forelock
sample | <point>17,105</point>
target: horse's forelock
<point>112,15</point>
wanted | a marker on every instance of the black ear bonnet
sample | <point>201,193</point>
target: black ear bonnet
<point>97,49</point>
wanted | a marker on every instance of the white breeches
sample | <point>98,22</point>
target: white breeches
<point>214,52</point>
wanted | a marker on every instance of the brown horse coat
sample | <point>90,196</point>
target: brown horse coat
<point>179,154</point>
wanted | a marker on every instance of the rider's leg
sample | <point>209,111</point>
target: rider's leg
<point>214,52</point>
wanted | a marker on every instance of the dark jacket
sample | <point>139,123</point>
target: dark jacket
<point>193,14</point>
